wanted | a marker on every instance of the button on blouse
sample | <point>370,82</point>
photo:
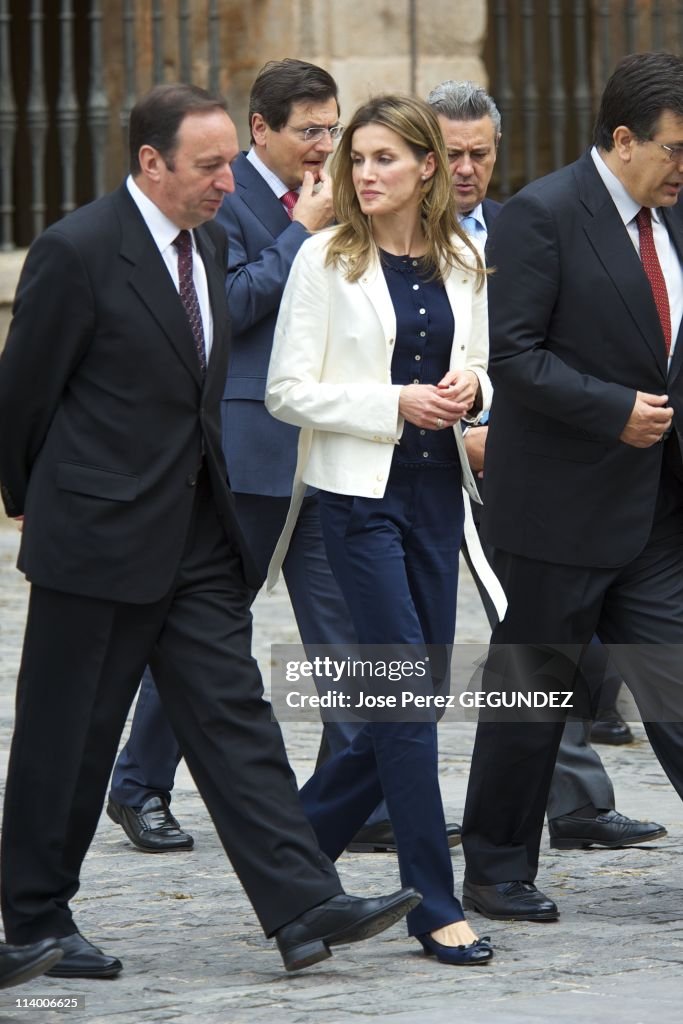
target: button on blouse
<point>422,351</point>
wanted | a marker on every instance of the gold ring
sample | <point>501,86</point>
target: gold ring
<point>439,423</point>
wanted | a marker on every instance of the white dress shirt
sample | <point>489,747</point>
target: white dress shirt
<point>271,179</point>
<point>628,208</point>
<point>164,232</point>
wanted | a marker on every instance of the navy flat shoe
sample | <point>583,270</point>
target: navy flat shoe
<point>478,952</point>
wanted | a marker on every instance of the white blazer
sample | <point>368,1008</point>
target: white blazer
<point>330,374</point>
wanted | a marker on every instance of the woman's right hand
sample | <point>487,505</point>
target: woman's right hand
<point>430,407</point>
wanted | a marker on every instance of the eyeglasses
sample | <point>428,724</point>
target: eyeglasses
<point>316,133</point>
<point>674,153</point>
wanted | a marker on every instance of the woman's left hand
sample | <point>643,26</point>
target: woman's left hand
<point>462,385</point>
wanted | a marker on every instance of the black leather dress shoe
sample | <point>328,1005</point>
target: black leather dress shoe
<point>379,838</point>
<point>609,829</point>
<point>83,960</point>
<point>338,921</point>
<point>509,901</point>
<point>21,963</point>
<point>151,828</point>
<point>609,727</point>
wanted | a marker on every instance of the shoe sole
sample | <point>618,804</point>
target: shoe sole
<point>109,972</point>
<point>547,915</point>
<point>319,949</point>
<point>111,813</point>
<point>28,972</point>
<point>618,844</point>
<point>453,841</point>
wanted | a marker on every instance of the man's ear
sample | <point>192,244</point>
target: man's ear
<point>623,142</point>
<point>151,162</point>
<point>259,129</point>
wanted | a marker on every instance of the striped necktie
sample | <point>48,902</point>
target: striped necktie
<point>188,294</point>
<point>289,201</point>
<point>653,269</point>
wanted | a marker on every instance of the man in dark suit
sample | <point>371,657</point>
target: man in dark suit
<point>584,503</point>
<point>110,384</point>
<point>581,801</point>
<point>282,194</point>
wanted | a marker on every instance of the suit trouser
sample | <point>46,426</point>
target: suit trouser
<point>396,561</point>
<point>579,777</point>
<point>81,665</point>
<point>639,607</point>
<point>148,762</point>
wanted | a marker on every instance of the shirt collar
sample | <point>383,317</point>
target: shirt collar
<point>627,207</point>
<point>162,230</point>
<point>477,213</point>
<point>271,179</point>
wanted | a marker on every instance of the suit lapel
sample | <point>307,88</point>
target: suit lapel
<point>216,282</point>
<point>259,197</point>
<point>151,281</point>
<point>609,238</point>
<point>490,209</point>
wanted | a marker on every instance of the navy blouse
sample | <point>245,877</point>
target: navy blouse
<point>422,351</point>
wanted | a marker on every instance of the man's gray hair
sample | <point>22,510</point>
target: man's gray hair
<point>464,101</point>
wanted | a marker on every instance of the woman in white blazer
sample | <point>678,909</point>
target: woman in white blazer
<point>380,351</point>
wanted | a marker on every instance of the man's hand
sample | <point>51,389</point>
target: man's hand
<point>648,422</point>
<point>314,208</point>
<point>19,520</point>
<point>475,443</point>
<point>431,407</point>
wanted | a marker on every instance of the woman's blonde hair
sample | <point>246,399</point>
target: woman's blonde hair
<point>352,244</point>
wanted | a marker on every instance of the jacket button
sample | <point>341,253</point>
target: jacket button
<point>191,480</point>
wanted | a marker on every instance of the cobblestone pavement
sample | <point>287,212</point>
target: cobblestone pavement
<point>192,949</point>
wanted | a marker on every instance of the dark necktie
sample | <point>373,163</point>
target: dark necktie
<point>188,294</point>
<point>653,269</point>
<point>289,201</point>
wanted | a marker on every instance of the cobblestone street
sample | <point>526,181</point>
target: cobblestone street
<point>192,950</point>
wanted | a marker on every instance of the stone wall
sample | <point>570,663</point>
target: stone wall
<point>10,266</point>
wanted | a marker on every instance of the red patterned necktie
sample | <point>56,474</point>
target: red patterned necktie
<point>653,269</point>
<point>289,201</point>
<point>188,294</point>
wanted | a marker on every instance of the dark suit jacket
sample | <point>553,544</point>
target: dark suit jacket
<point>490,208</point>
<point>102,409</point>
<point>574,335</point>
<point>260,451</point>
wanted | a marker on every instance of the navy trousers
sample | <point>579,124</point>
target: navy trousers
<point>396,562</point>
